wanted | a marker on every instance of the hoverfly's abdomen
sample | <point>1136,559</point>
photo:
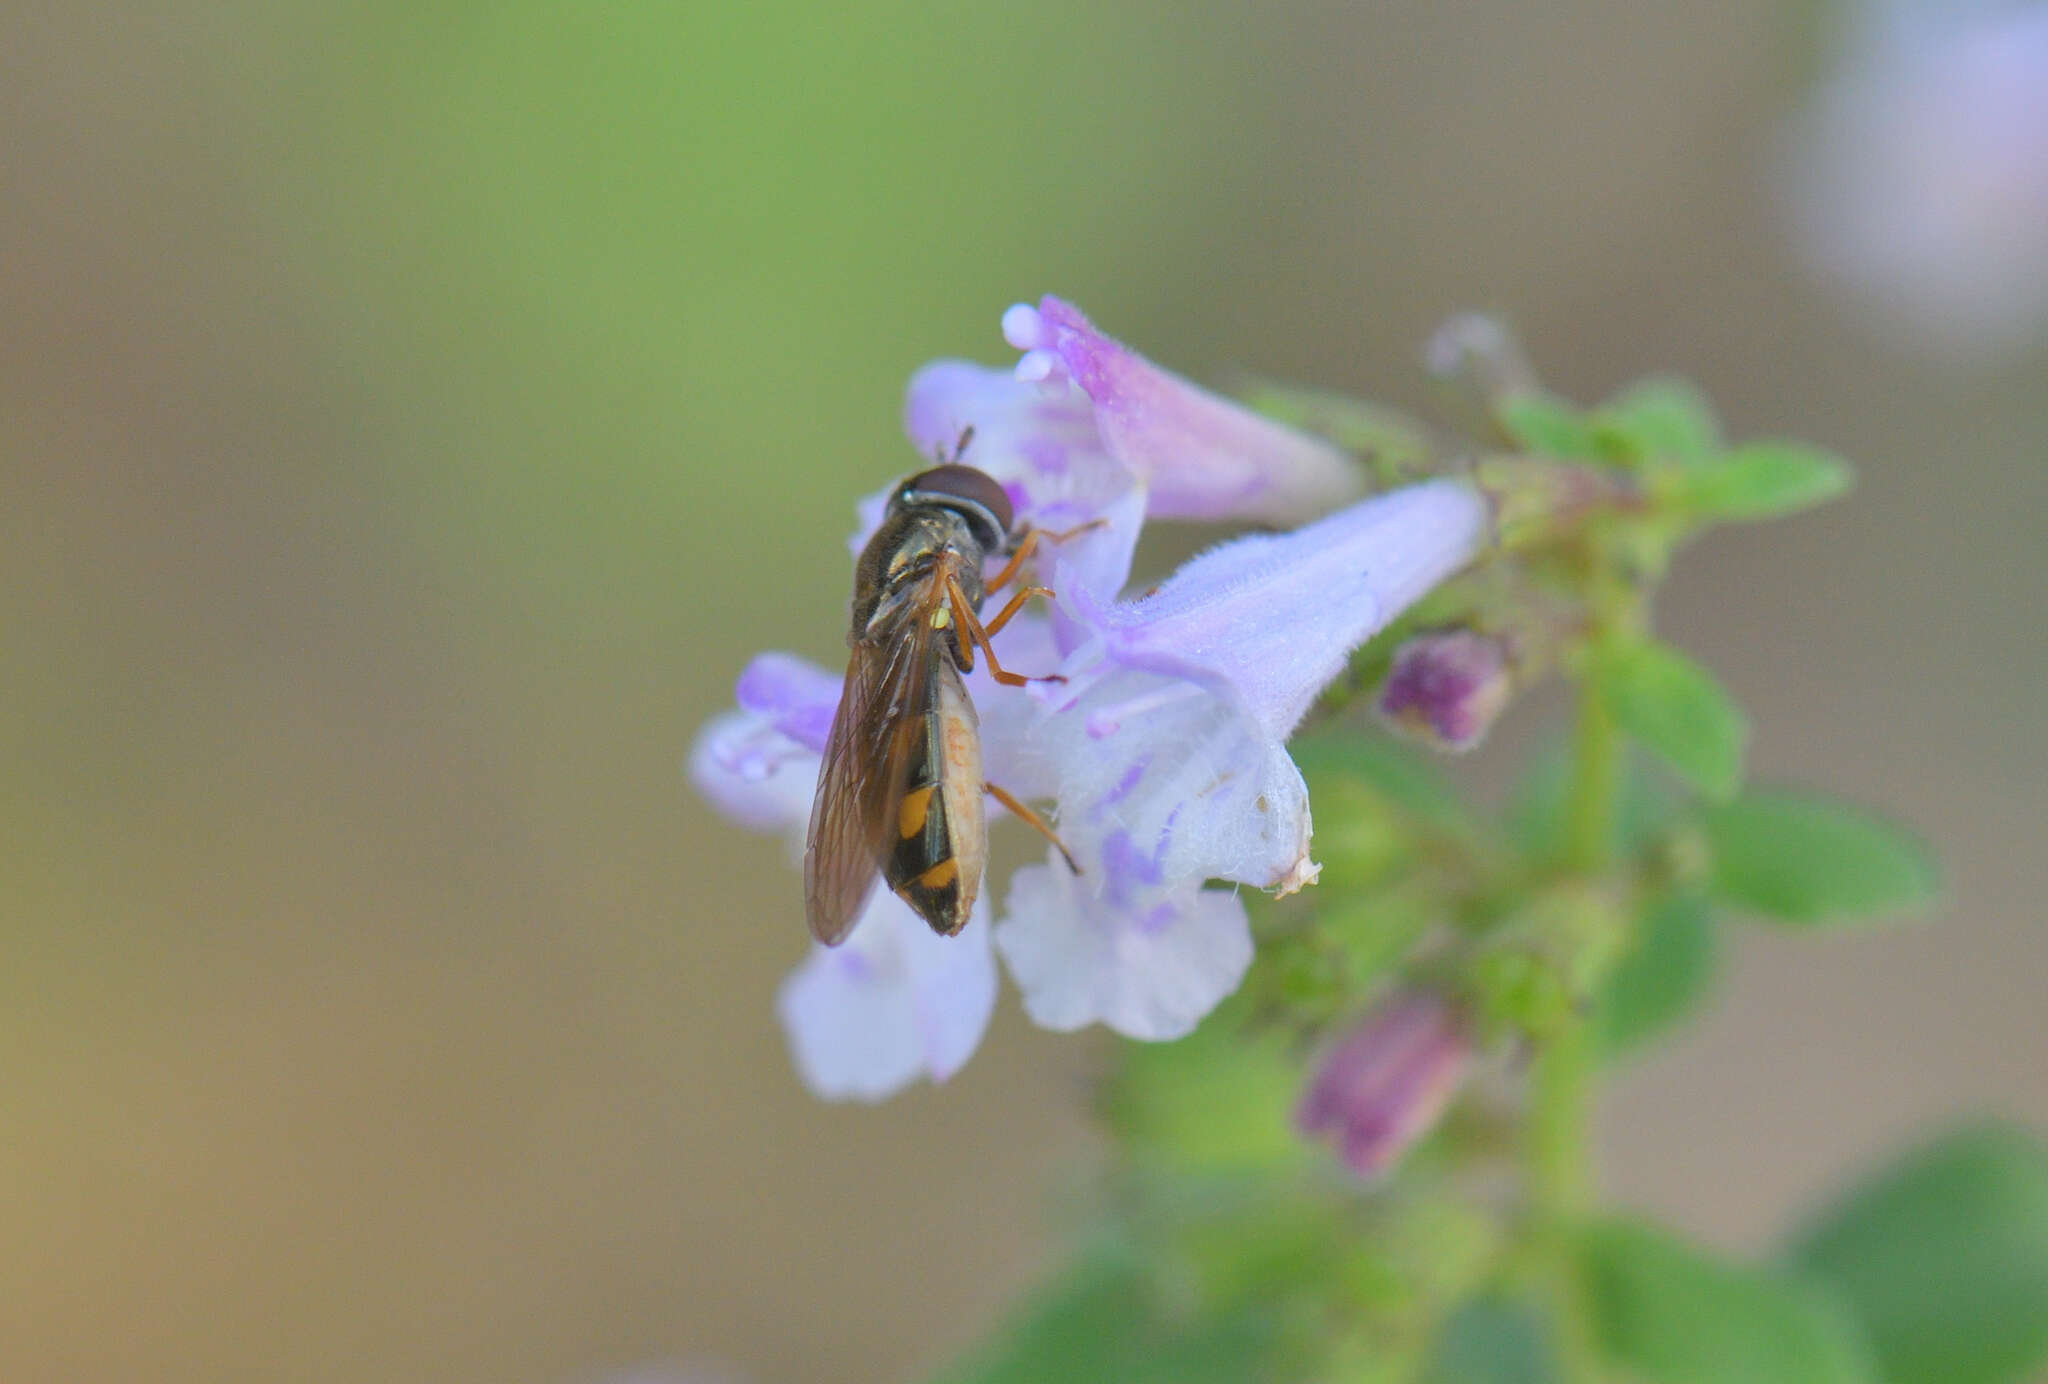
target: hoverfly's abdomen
<point>935,863</point>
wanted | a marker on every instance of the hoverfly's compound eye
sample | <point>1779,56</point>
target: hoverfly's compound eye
<point>971,493</point>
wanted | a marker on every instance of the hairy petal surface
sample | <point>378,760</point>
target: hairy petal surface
<point>1110,947</point>
<point>754,774</point>
<point>896,1003</point>
<point>1269,619</point>
<point>1199,456</point>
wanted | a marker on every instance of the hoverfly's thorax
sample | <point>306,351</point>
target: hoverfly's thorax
<point>896,569</point>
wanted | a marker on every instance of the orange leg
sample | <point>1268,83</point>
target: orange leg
<point>1035,822</point>
<point>1010,608</point>
<point>971,626</point>
<point>1030,540</point>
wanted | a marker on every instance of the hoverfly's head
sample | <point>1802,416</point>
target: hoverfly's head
<point>971,494</point>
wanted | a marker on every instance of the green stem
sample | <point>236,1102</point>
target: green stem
<point>1560,1124</point>
<point>1560,1131</point>
<point>1596,764</point>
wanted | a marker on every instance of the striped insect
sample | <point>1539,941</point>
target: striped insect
<point>900,792</point>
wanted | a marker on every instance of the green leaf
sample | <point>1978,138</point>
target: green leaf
<point>1406,779</point>
<point>1674,707</point>
<point>1945,1258</point>
<point>1535,810</point>
<point>1491,1340</point>
<point>1385,437</point>
<point>1662,978</point>
<point>1547,425</point>
<point>1765,480</point>
<point>1801,858</point>
<point>1219,1100</point>
<point>1663,417</point>
<point>1102,1321</point>
<point>1675,1315</point>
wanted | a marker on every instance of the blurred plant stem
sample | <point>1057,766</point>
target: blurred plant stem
<point>1561,1089</point>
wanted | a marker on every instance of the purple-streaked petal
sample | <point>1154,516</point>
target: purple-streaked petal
<point>1147,962</point>
<point>1271,618</point>
<point>1183,773</point>
<point>792,694</point>
<point>755,774</point>
<point>1200,456</point>
<point>896,1003</point>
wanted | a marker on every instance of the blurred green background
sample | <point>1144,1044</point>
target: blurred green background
<point>412,415</point>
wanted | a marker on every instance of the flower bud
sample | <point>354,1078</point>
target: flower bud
<point>1446,687</point>
<point>1387,1081</point>
<point>1480,350</point>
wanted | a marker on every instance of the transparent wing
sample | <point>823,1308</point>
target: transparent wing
<point>878,725</point>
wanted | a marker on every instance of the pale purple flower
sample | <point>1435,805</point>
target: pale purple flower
<point>1918,175</point>
<point>1164,748</point>
<point>894,1003</point>
<point>1200,457</point>
<point>1446,687</point>
<point>1387,1081</point>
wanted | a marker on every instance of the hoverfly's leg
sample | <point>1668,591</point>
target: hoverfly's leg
<point>993,627</point>
<point>1035,822</point>
<point>1031,539</point>
<point>971,626</point>
<point>1028,541</point>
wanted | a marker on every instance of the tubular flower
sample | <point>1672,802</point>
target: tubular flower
<point>1917,177</point>
<point>1164,747</point>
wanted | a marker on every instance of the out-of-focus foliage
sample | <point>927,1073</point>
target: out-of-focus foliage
<point>1944,1257</point>
<point>1799,858</point>
<point>1676,1315</point>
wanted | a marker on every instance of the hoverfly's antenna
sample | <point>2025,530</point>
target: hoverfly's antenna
<point>959,447</point>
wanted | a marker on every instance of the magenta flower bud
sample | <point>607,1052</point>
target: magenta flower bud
<point>1388,1081</point>
<point>1447,686</point>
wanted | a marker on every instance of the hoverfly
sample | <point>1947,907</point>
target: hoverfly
<point>900,790</point>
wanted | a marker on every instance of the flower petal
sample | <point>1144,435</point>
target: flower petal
<point>1183,774</point>
<point>1199,456</point>
<point>1040,443</point>
<point>1149,963</point>
<point>792,694</point>
<point>893,1004</point>
<point>755,774</point>
<point>1271,618</point>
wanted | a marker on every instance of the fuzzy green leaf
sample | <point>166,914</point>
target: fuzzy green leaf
<point>1673,1314</point>
<point>1102,1321</point>
<point>1405,779</point>
<point>1536,808</point>
<point>1219,1100</point>
<point>1655,985</point>
<point>1676,709</point>
<point>1491,1340</point>
<point>1801,858</point>
<point>1662,417</point>
<point>1384,436</point>
<point>1547,425</point>
<point>1945,1258</point>
<point>1765,480</point>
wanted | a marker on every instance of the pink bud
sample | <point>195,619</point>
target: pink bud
<point>1447,687</point>
<point>1387,1081</point>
